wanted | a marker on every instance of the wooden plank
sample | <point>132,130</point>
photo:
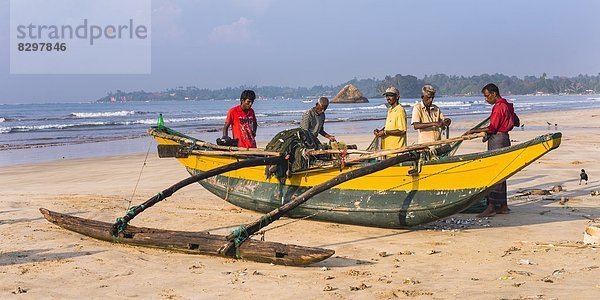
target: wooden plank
<point>191,242</point>
<point>179,139</point>
<point>235,153</point>
<point>414,147</point>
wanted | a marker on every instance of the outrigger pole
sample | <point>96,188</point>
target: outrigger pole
<point>238,236</point>
<point>121,223</point>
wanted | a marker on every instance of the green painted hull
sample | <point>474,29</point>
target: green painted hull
<point>390,209</point>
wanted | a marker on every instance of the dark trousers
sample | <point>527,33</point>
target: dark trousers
<point>497,195</point>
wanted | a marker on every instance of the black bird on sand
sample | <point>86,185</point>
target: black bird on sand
<point>549,124</point>
<point>583,176</point>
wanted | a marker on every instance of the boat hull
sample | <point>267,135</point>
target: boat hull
<point>393,209</point>
<point>397,197</point>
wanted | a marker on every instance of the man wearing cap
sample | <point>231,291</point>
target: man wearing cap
<point>242,120</point>
<point>394,133</point>
<point>427,119</point>
<point>314,119</point>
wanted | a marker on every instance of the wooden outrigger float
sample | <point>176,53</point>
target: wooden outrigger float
<point>395,189</point>
<point>191,242</point>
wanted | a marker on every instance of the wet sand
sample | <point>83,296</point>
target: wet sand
<point>532,253</point>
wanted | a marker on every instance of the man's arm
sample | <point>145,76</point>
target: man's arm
<point>445,120</point>
<point>397,132</point>
<point>254,127</point>
<point>494,123</point>
<point>419,125</point>
<point>305,123</point>
<point>471,131</point>
<point>225,129</point>
<point>228,120</point>
<point>401,121</point>
<point>327,135</point>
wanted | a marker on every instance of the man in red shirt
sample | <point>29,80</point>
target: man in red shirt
<point>501,122</point>
<point>242,120</point>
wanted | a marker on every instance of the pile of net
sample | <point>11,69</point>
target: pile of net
<point>293,142</point>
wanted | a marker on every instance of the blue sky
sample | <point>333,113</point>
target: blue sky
<point>216,44</point>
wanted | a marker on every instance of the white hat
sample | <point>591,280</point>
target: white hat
<point>391,91</point>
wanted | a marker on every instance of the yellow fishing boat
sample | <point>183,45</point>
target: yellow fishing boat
<point>414,192</point>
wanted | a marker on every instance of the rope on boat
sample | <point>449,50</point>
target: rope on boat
<point>242,236</point>
<point>121,221</point>
<point>140,176</point>
<point>521,152</point>
<point>138,181</point>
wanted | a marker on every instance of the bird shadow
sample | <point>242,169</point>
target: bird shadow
<point>526,179</point>
<point>369,238</point>
<point>340,261</point>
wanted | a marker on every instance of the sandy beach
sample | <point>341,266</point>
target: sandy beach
<point>535,252</point>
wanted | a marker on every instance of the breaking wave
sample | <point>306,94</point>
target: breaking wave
<point>122,113</point>
<point>50,127</point>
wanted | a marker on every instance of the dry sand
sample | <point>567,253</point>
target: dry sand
<point>471,258</point>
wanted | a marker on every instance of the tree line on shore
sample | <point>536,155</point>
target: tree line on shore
<point>409,86</point>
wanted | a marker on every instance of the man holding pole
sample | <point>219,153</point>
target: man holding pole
<point>501,122</point>
<point>394,133</point>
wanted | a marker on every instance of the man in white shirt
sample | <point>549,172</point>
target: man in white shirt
<point>427,118</point>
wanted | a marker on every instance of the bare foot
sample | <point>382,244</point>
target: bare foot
<point>488,212</point>
<point>502,211</point>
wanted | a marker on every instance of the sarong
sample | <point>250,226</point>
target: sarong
<point>497,195</point>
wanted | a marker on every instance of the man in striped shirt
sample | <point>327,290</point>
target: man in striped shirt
<point>427,118</point>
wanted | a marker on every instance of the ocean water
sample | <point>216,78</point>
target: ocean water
<point>42,132</point>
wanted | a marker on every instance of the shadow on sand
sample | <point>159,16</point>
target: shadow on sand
<point>339,261</point>
<point>524,212</point>
<point>20,220</point>
<point>26,220</point>
<point>38,255</point>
